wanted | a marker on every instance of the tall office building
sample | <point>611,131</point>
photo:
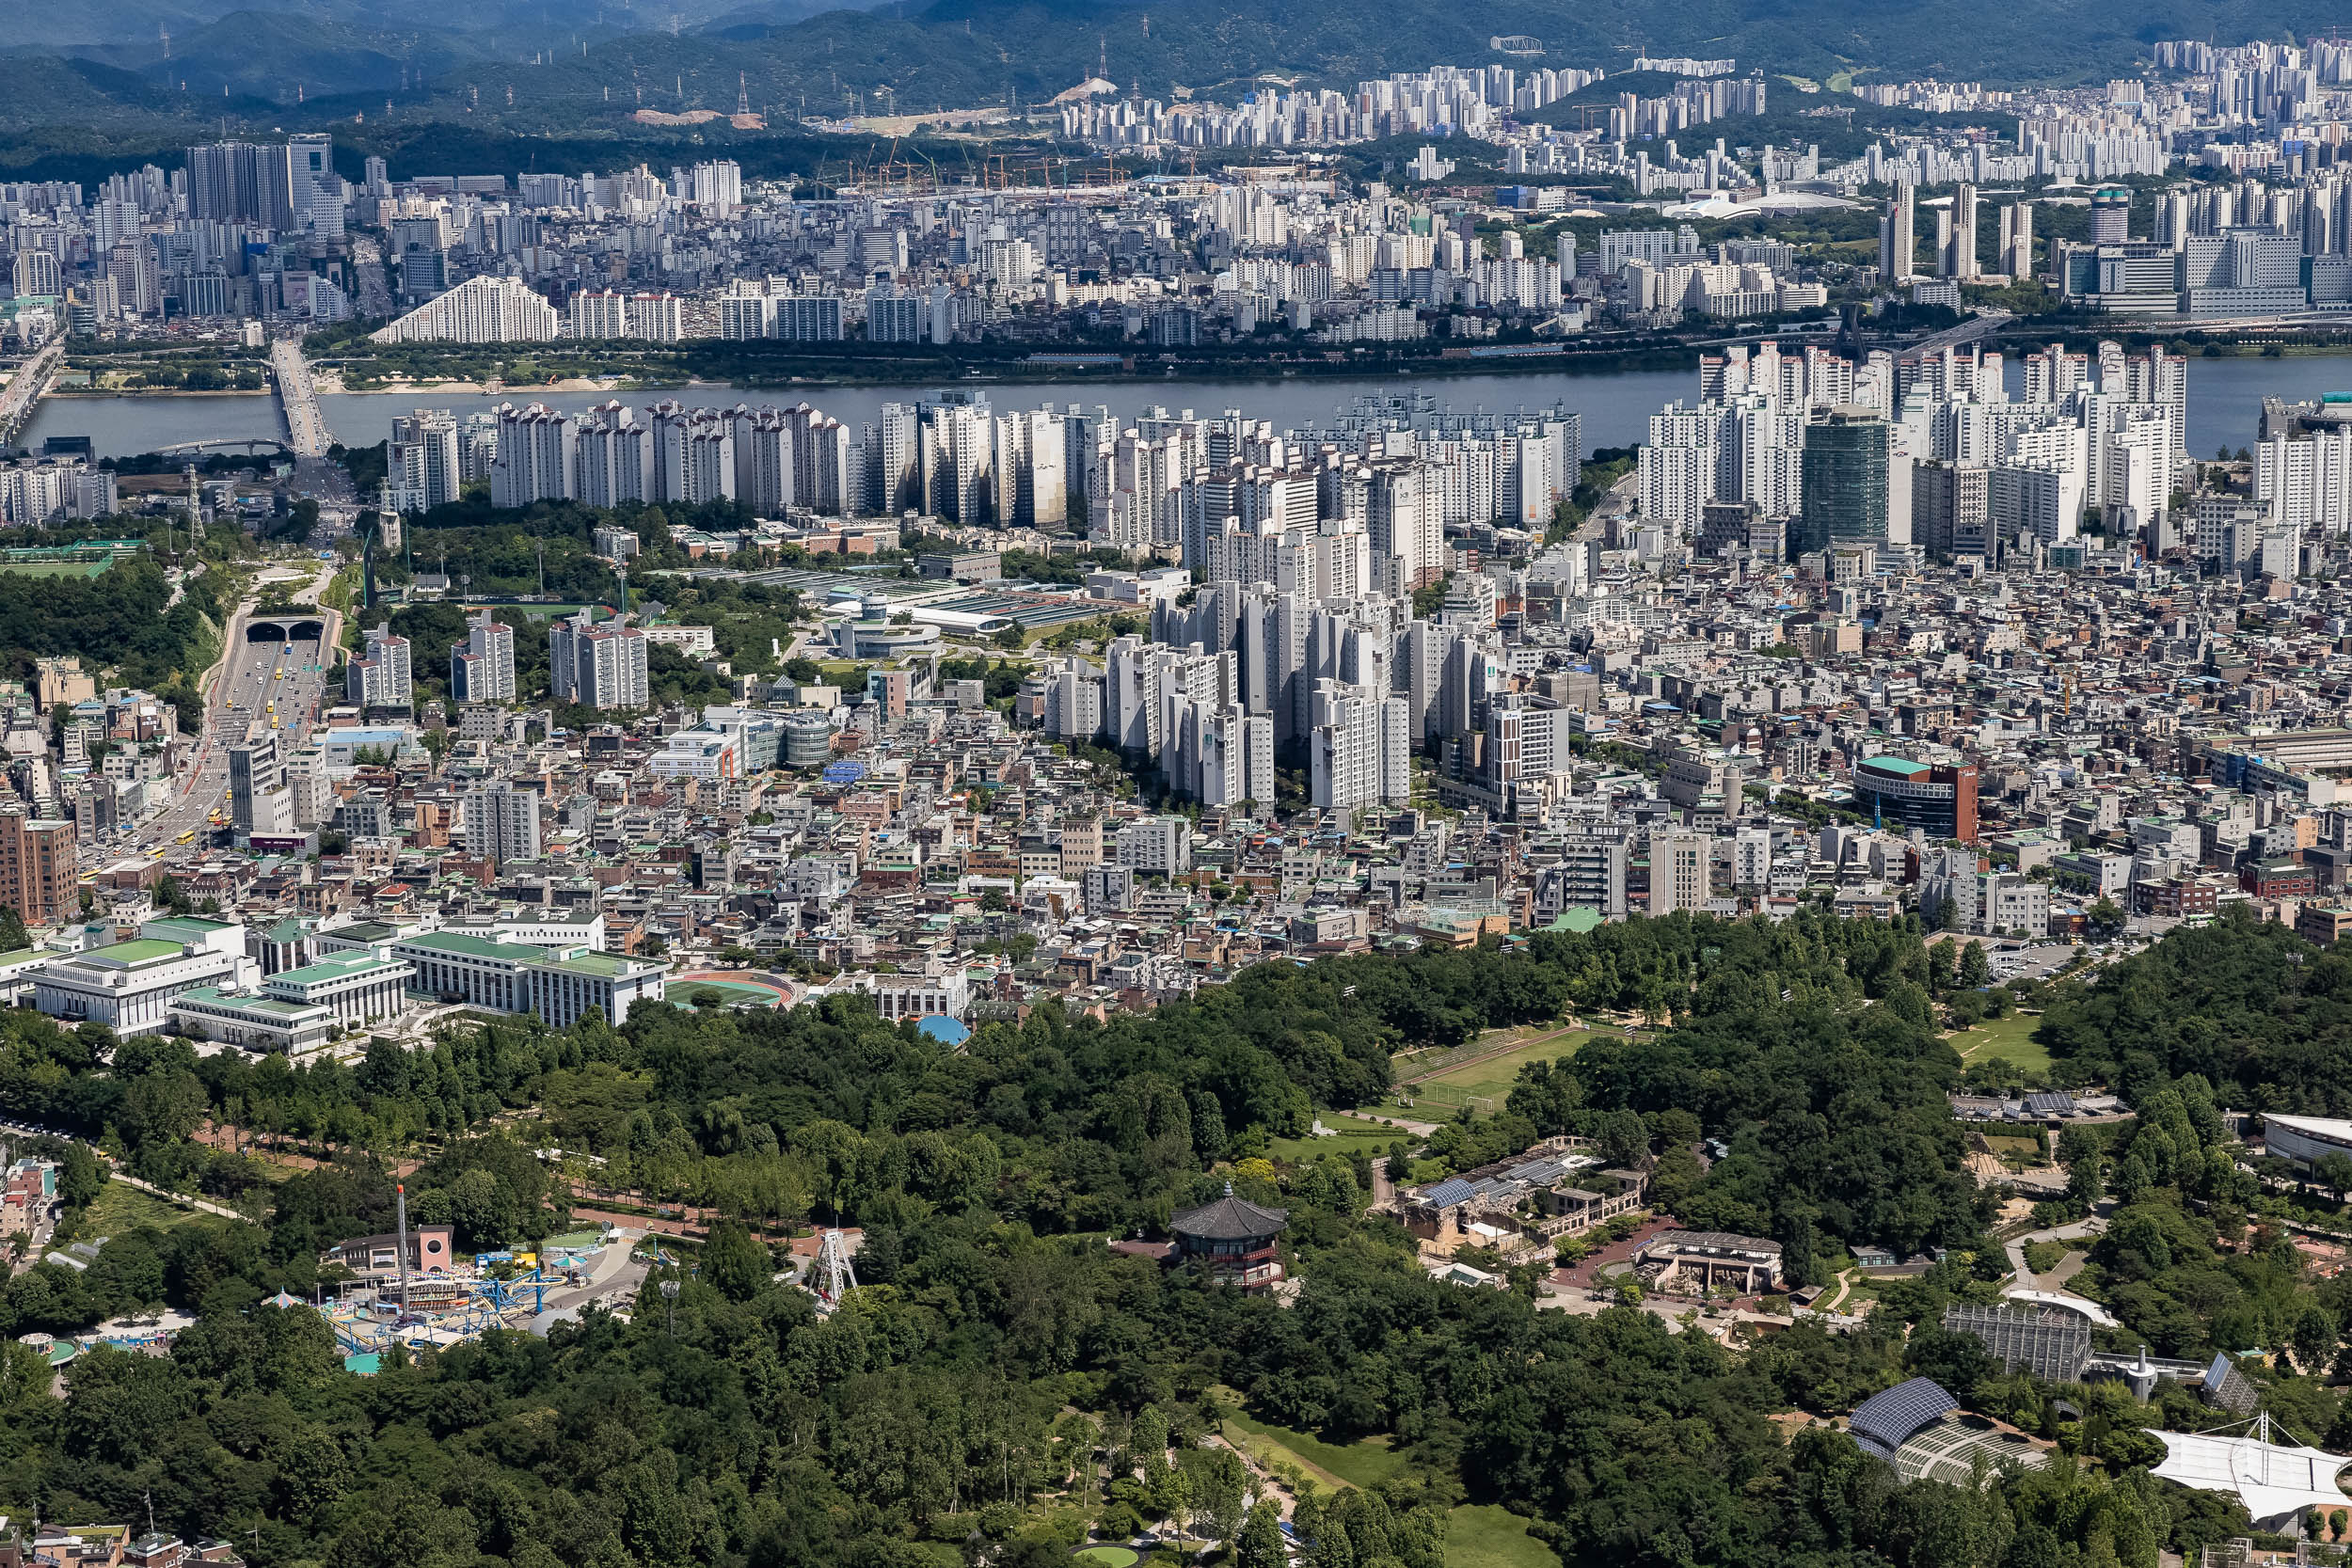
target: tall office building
<point>481,667</point>
<point>2110,215</point>
<point>1677,872</point>
<point>500,821</point>
<point>314,192</point>
<point>1848,452</point>
<point>599,664</point>
<point>258,801</point>
<point>1950,508</point>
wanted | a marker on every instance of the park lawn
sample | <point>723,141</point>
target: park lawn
<point>1334,1465</point>
<point>1351,1136</point>
<point>1488,1080</point>
<point>120,1207</point>
<point>1491,1536</point>
<point>2011,1037</point>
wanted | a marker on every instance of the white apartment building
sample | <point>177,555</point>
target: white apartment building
<point>381,675</point>
<point>479,311</point>
<point>481,667</point>
<point>1359,746</point>
<point>1157,844</point>
<point>599,664</point>
<point>500,821</point>
<point>538,457</point>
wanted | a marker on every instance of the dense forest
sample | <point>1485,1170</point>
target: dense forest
<point>123,619</point>
<point>1003,1382</point>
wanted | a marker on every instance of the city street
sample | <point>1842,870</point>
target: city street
<point>255,679</point>
<point>367,266</point>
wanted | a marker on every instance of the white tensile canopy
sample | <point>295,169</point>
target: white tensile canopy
<point>2272,1479</point>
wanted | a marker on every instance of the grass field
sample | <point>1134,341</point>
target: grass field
<point>1493,1537</point>
<point>1487,1080</point>
<point>1355,1135</point>
<point>1332,1464</point>
<point>1476,1537</point>
<point>2011,1037</point>
<point>119,1208</point>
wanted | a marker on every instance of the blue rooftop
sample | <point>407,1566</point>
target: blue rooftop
<point>946,1031</point>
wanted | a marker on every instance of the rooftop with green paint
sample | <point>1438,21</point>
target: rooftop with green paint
<point>475,947</point>
<point>129,954</point>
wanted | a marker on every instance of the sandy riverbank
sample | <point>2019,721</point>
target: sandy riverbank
<point>332,381</point>
<point>156,392</point>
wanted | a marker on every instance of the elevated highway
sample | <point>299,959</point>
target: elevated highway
<point>297,395</point>
<point>23,391</point>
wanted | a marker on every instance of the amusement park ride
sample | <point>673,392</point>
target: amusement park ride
<point>831,1274</point>
<point>464,1309</point>
<point>445,1310</point>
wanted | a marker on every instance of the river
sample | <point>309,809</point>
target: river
<point>2224,402</point>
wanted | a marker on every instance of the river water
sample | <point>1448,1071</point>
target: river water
<point>2224,402</point>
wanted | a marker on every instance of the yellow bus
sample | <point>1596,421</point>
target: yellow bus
<point>188,837</point>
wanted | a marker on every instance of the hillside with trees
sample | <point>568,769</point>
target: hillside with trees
<point>1003,1383</point>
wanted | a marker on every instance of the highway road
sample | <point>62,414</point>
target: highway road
<point>277,683</point>
<point>24,388</point>
<point>305,426</point>
<point>1983,324</point>
<point>367,265</point>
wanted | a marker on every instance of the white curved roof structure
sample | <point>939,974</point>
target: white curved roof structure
<point>2065,1303</point>
<point>2272,1479</point>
